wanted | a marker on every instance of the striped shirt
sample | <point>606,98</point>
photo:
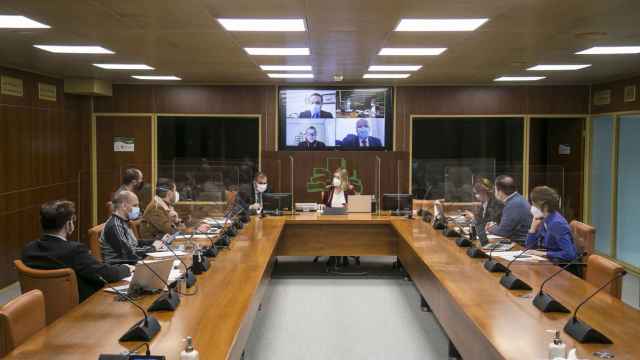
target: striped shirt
<point>119,244</point>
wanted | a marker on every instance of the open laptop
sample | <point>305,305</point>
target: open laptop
<point>144,279</point>
<point>359,204</point>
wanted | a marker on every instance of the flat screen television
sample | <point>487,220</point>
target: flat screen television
<point>335,118</point>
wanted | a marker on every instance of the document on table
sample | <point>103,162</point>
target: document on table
<point>164,254</point>
<point>510,255</point>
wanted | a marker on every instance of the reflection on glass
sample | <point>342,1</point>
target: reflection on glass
<point>628,227</point>
<point>601,151</point>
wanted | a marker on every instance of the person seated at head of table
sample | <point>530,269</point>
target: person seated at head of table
<point>56,250</point>
<point>549,229</point>
<point>251,194</point>
<point>337,194</point>
<point>516,214</point>
<point>159,217</point>
<point>490,209</point>
<point>117,242</point>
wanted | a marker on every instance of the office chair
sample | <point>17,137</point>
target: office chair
<point>94,241</point>
<point>600,270</point>
<point>20,319</point>
<point>59,286</point>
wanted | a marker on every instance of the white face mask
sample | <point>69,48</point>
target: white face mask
<point>261,187</point>
<point>537,213</point>
<point>478,197</point>
<point>177,197</point>
<point>336,181</point>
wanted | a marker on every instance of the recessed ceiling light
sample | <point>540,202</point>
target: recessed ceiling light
<point>520,78</point>
<point>277,51</point>
<point>290,76</point>
<point>610,50</point>
<point>412,51</point>
<point>73,49</point>
<point>263,24</point>
<point>20,22</point>
<point>124,66</point>
<point>440,24</point>
<point>385,76</point>
<point>558,67</point>
<point>395,67</point>
<point>286,67</point>
<point>156,77</point>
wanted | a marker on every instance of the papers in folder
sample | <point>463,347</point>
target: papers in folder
<point>510,255</point>
<point>497,247</point>
<point>164,254</point>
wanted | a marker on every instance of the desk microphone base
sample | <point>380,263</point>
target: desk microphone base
<point>143,330</point>
<point>491,265</point>
<point>168,301</point>
<point>463,242</point>
<point>477,253</point>
<point>584,333</point>
<point>545,303</point>
<point>509,281</point>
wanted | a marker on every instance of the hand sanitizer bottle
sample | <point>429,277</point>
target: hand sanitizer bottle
<point>189,353</point>
<point>557,349</point>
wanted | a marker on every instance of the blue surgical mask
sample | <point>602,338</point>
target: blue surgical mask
<point>316,108</point>
<point>134,213</point>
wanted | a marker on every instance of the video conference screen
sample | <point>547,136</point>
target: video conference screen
<point>335,118</point>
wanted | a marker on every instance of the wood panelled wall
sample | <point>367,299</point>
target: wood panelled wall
<point>617,96</point>
<point>484,100</point>
<point>44,155</point>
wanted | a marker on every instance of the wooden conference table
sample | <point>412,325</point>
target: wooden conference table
<point>482,319</point>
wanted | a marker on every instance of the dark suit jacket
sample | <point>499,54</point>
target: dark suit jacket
<point>352,141</point>
<point>493,213</point>
<point>51,252</point>
<point>316,145</point>
<point>323,114</point>
<point>248,193</point>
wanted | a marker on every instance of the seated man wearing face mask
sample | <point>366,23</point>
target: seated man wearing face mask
<point>55,250</point>
<point>159,217</point>
<point>252,194</point>
<point>118,243</point>
<point>361,139</point>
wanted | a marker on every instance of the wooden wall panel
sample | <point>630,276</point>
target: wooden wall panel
<point>617,96</point>
<point>41,156</point>
<point>484,100</point>
<point>111,165</point>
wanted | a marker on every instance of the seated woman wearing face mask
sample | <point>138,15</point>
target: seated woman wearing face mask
<point>159,217</point>
<point>490,209</point>
<point>338,192</point>
<point>549,229</point>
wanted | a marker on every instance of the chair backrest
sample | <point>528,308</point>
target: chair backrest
<point>584,237</point>
<point>59,286</point>
<point>135,227</point>
<point>20,319</point>
<point>94,241</point>
<point>600,270</point>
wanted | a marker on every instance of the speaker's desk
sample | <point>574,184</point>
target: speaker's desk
<point>484,320</point>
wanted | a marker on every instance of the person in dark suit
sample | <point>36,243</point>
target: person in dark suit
<point>316,111</point>
<point>252,193</point>
<point>55,251</point>
<point>362,139</point>
<point>490,209</point>
<point>310,142</point>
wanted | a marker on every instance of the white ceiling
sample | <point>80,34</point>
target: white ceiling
<point>181,37</point>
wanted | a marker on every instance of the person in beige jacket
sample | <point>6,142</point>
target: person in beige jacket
<point>159,217</point>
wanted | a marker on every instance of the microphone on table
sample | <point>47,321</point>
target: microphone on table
<point>511,281</point>
<point>189,277</point>
<point>492,265</point>
<point>583,332</point>
<point>143,330</point>
<point>545,302</point>
<point>168,301</point>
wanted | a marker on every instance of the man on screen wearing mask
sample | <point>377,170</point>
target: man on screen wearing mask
<point>118,243</point>
<point>310,140</point>
<point>316,111</point>
<point>516,215</point>
<point>362,138</point>
<point>159,217</point>
<point>56,250</point>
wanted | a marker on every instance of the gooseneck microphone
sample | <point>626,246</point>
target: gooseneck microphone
<point>190,279</point>
<point>168,301</point>
<point>492,265</point>
<point>143,330</point>
<point>545,302</point>
<point>510,281</point>
<point>582,331</point>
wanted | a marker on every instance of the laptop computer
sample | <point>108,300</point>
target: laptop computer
<point>359,204</point>
<point>144,278</point>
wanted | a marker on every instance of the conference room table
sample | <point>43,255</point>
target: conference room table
<point>483,319</point>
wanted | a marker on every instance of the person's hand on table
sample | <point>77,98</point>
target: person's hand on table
<point>490,225</point>
<point>254,206</point>
<point>542,253</point>
<point>203,228</point>
<point>535,224</point>
<point>468,215</point>
<point>159,244</point>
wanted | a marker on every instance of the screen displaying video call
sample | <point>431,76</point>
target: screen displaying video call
<point>335,118</point>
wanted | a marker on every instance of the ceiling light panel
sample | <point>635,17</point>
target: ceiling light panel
<point>610,50</point>
<point>263,24</point>
<point>290,76</point>
<point>520,78</point>
<point>278,51</point>
<point>74,49</point>
<point>395,67</point>
<point>156,77</point>
<point>412,51</point>
<point>549,67</point>
<point>286,67</point>
<point>20,22</point>
<point>385,76</point>
<point>124,66</point>
<point>440,24</point>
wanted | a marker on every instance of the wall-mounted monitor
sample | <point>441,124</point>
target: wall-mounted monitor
<point>335,118</point>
